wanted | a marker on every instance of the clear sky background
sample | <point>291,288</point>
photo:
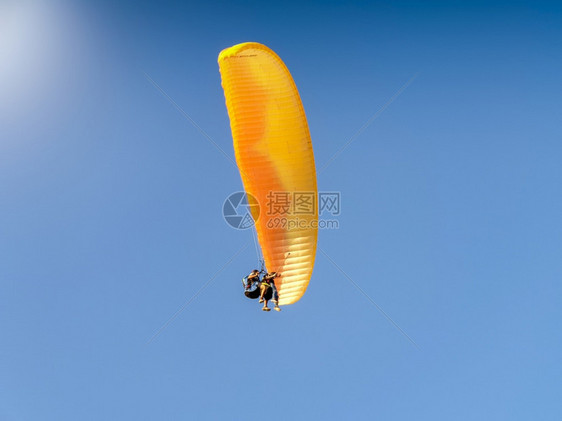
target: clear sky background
<point>110,214</point>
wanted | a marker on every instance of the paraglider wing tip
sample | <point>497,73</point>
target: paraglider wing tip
<point>238,48</point>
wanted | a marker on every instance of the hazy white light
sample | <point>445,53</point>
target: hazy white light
<point>32,44</point>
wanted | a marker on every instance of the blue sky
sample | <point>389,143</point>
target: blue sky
<point>110,216</point>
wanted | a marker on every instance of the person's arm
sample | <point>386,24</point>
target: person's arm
<point>253,279</point>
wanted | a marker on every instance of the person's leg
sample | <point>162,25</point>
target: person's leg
<point>275,298</point>
<point>263,288</point>
<point>267,296</point>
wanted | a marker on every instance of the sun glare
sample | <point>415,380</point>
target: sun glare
<point>32,43</point>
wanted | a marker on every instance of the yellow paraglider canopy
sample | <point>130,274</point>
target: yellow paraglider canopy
<point>274,155</point>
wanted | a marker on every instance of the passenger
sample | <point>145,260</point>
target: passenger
<point>268,291</point>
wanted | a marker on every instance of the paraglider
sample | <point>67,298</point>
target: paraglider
<point>274,155</point>
<point>251,284</point>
